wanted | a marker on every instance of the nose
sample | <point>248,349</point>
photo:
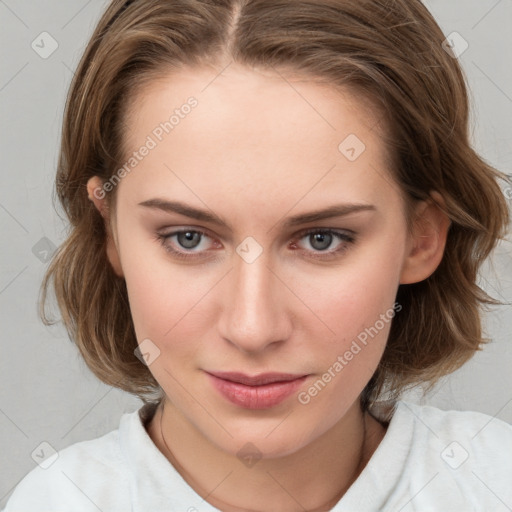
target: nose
<point>254,311</point>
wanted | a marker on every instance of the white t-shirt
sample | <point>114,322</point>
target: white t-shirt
<point>429,460</point>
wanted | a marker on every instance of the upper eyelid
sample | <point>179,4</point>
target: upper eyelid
<point>205,231</point>
<point>296,236</point>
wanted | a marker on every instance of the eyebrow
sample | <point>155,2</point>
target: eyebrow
<point>338,210</point>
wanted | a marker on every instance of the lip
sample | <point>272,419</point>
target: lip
<point>256,392</point>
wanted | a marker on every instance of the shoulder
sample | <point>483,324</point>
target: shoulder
<point>463,456</point>
<point>476,430</point>
<point>81,477</point>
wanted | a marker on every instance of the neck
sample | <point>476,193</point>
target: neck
<point>301,480</point>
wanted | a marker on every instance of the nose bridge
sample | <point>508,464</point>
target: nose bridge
<point>253,311</point>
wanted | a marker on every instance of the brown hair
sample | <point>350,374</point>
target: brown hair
<point>389,52</point>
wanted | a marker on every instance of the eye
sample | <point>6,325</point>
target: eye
<point>187,242</point>
<point>321,239</point>
<point>192,243</point>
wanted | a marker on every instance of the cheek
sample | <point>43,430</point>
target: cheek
<point>161,302</point>
<point>163,309</point>
<point>357,304</point>
<point>361,318</point>
<point>154,303</point>
<point>353,296</point>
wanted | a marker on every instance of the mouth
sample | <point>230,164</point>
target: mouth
<point>256,392</point>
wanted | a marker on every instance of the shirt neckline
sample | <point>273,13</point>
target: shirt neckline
<point>151,471</point>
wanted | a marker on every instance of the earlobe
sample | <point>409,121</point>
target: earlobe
<point>427,244</point>
<point>97,195</point>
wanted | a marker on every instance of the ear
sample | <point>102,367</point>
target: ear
<point>97,196</point>
<point>425,247</point>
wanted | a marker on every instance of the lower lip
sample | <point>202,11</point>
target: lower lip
<point>256,397</point>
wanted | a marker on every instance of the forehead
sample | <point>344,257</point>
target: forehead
<point>257,133</point>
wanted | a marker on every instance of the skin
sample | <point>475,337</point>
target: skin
<point>255,151</point>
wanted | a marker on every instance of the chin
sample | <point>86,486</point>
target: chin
<point>269,440</point>
<point>261,448</point>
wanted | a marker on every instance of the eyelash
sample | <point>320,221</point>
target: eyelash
<point>323,255</point>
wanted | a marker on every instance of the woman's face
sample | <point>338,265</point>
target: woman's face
<point>254,157</point>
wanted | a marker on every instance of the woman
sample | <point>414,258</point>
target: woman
<point>277,223</point>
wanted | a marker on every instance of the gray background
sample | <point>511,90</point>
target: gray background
<point>47,394</point>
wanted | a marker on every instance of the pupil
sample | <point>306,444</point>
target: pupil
<point>189,240</point>
<point>321,237</point>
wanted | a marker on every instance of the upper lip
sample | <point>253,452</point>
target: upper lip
<point>256,380</point>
